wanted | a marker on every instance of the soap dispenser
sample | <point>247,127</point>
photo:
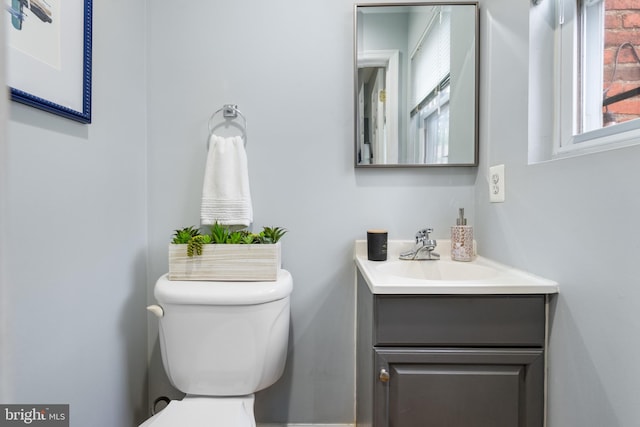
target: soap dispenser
<point>461,239</point>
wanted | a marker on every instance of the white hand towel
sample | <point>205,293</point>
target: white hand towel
<point>226,198</point>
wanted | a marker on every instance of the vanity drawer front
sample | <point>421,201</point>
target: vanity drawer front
<point>447,320</point>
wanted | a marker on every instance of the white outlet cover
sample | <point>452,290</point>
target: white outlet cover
<point>496,184</point>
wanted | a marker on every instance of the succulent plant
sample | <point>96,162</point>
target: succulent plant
<point>249,238</point>
<point>220,234</point>
<point>235,237</point>
<point>194,246</point>
<point>183,235</point>
<point>272,234</point>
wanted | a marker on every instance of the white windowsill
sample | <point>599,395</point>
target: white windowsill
<point>605,139</point>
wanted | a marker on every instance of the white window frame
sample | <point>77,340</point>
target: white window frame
<point>592,33</point>
<point>567,121</point>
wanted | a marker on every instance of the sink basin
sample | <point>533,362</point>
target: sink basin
<point>437,270</point>
<point>444,276</point>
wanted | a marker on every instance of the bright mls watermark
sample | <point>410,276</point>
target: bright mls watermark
<point>34,415</point>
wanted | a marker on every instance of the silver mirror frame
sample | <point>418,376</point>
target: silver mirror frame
<point>476,142</point>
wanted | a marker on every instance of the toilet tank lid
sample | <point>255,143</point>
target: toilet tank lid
<point>222,293</point>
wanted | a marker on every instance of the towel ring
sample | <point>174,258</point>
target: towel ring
<point>230,112</point>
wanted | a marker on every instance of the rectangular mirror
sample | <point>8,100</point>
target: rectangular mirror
<point>416,84</point>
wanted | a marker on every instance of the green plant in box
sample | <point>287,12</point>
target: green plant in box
<point>183,235</point>
<point>194,246</point>
<point>272,234</point>
<point>219,234</point>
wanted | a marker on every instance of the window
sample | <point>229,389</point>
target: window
<point>611,65</point>
<point>430,124</point>
<point>430,73</point>
<point>593,78</point>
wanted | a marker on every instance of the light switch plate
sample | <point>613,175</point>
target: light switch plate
<point>496,184</point>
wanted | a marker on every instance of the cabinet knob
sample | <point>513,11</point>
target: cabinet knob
<point>384,375</point>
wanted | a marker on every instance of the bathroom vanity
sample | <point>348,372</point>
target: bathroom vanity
<point>448,349</point>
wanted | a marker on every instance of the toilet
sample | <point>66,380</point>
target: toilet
<point>220,342</point>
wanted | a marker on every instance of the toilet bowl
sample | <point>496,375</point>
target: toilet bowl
<point>220,343</point>
<point>198,411</point>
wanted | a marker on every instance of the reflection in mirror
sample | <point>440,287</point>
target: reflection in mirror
<point>416,84</point>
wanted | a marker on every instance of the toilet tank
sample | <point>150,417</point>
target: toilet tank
<point>224,338</point>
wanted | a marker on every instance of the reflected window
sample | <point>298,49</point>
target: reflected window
<point>431,56</point>
<point>429,93</point>
<point>430,121</point>
<point>437,136</point>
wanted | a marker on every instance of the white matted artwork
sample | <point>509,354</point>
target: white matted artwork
<point>49,55</point>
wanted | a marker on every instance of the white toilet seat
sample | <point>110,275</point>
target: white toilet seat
<point>199,411</point>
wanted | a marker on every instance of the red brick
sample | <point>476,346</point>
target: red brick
<point>616,38</point>
<point>612,21</point>
<point>621,4</point>
<point>630,54</point>
<point>625,57</point>
<point>614,88</point>
<point>631,20</point>
<point>620,118</point>
<point>628,106</point>
<point>628,73</point>
<point>618,87</point>
<point>609,55</point>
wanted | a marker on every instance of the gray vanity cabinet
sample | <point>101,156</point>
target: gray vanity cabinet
<point>450,360</point>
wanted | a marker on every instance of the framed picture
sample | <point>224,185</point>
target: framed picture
<point>49,55</point>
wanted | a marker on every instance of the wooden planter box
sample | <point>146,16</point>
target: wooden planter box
<point>225,262</point>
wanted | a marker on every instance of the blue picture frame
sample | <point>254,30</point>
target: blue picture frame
<point>79,109</point>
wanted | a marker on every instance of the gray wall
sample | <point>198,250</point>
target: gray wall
<point>288,65</point>
<point>572,220</point>
<point>74,271</point>
<point>3,190</point>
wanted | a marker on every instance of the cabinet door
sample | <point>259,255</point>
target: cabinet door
<point>459,388</point>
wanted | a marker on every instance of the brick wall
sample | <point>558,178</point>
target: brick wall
<point>622,33</point>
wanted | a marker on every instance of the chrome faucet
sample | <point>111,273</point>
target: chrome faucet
<point>423,245</point>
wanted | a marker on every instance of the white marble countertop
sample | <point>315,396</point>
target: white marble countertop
<point>496,278</point>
